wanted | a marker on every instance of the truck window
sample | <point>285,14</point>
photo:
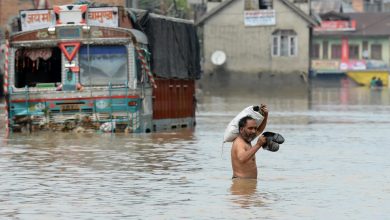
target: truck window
<point>35,66</point>
<point>100,65</point>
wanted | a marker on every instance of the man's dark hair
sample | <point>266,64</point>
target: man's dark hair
<point>243,121</point>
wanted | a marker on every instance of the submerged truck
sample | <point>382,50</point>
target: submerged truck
<point>75,67</point>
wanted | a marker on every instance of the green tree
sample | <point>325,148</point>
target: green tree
<point>174,8</point>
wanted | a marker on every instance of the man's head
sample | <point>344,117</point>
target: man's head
<point>247,127</point>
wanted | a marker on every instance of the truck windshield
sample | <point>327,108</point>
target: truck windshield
<point>100,65</point>
<point>34,67</point>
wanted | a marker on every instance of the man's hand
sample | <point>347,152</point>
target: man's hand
<point>261,141</point>
<point>264,109</point>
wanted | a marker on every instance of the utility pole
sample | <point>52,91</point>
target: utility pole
<point>132,3</point>
<point>1,20</point>
<point>163,7</point>
<point>175,8</point>
<point>40,4</point>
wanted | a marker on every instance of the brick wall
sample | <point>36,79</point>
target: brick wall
<point>10,8</point>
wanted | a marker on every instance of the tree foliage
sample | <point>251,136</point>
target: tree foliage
<point>175,8</point>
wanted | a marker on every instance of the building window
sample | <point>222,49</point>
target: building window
<point>365,50</point>
<point>266,4</point>
<point>284,43</point>
<point>258,4</point>
<point>373,5</point>
<point>336,51</point>
<point>325,50</point>
<point>293,46</point>
<point>275,46</point>
<point>376,51</point>
<point>251,5</point>
<point>315,53</point>
<point>353,51</point>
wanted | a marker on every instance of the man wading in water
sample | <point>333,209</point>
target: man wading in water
<point>243,153</point>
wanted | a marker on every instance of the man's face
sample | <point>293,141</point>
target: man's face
<point>249,131</point>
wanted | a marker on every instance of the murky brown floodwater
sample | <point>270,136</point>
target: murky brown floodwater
<point>334,165</point>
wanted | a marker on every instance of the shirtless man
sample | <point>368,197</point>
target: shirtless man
<point>243,153</point>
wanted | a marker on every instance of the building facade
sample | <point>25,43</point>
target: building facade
<point>351,42</point>
<point>349,6</point>
<point>257,38</point>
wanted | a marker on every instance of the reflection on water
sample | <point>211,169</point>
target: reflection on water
<point>144,152</point>
<point>334,164</point>
<point>245,193</point>
<point>243,187</point>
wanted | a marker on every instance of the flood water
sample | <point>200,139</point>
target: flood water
<point>335,164</point>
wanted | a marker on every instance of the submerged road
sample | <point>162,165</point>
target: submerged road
<point>334,165</point>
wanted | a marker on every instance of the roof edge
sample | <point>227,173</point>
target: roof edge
<point>213,12</point>
<point>309,19</point>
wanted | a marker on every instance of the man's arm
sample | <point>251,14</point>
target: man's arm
<point>261,127</point>
<point>244,155</point>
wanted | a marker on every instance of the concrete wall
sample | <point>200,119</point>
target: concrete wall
<point>248,49</point>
